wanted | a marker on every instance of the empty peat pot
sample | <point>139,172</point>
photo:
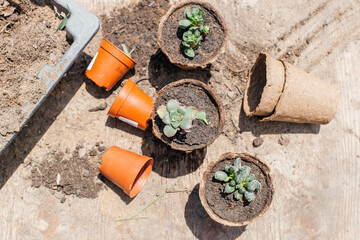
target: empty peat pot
<point>109,65</point>
<point>279,91</point>
<point>224,208</point>
<point>132,106</point>
<point>190,93</point>
<point>170,36</point>
<point>127,170</point>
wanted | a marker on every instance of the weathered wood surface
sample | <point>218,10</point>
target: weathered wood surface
<point>316,176</point>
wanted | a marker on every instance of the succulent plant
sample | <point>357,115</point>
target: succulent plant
<point>177,117</point>
<point>65,20</point>
<point>126,51</point>
<point>196,30</point>
<point>241,182</point>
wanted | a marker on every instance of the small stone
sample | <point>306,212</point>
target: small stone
<point>63,199</point>
<point>36,184</point>
<point>58,156</point>
<point>82,152</point>
<point>35,46</point>
<point>100,107</point>
<point>85,173</point>
<point>78,192</point>
<point>283,140</point>
<point>101,148</point>
<point>48,25</point>
<point>231,95</point>
<point>258,141</point>
<point>93,152</point>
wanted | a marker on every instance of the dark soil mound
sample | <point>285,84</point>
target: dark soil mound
<point>70,173</point>
<point>136,27</point>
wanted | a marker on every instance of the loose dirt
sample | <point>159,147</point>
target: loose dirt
<point>190,95</point>
<point>70,173</point>
<point>225,206</point>
<point>136,27</point>
<point>28,41</point>
<point>209,46</point>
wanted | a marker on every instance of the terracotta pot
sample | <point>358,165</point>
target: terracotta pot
<point>127,170</point>
<point>214,98</point>
<point>132,106</point>
<point>109,65</point>
<point>184,63</point>
<point>244,158</point>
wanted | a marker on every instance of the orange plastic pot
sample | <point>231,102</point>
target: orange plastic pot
<point>132,106</point>
<point>127,170</point>
<point>109,65</point>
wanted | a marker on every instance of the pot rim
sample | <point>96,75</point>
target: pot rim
<point>116,52</point>
<point>120,99</point>
<point>211,92</point>
<point>215,13</point>
<point>265,169</point>
<point>141,177</point>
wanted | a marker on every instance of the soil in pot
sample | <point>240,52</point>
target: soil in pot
<point>28,41</point>
<point>209,47</point>
<point>225,206</point>
<point>191,95</point>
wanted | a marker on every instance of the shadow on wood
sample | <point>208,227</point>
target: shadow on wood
<point>168,162</point>
<point>43,118</point>
<point>163,72</point>
<point>202,226</point>
<point>126,199</point>
<point>100,92</point>
<point>252,124</point>
<point>116,123</point>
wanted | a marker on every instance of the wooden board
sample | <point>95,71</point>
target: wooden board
<point>316,176</point>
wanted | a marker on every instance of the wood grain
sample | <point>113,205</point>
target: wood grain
<point>316,176</point>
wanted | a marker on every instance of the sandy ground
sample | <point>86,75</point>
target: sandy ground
<point>315,172</point>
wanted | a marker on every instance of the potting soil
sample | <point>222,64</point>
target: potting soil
<point>70,173</point>
<point>225,206</point>
<point>136,27</point>
<point>190,95</point>
<point>209,46</point>
<point>28,41</point>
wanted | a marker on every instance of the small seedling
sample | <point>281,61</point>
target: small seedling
<point>241,182</point>
<point>126,51</point>
<point>178,117</point>
<point>64,21</point>
<point>196,30</point>
<point>191,41</point>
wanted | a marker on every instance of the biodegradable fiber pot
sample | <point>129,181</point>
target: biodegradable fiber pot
<point>279,91</point>
<point>132,106</point>
<point>224,209</point>
<point>193,93</point>
<point>170,36</point>
<point>127,170</point>
<point>109,65</point>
